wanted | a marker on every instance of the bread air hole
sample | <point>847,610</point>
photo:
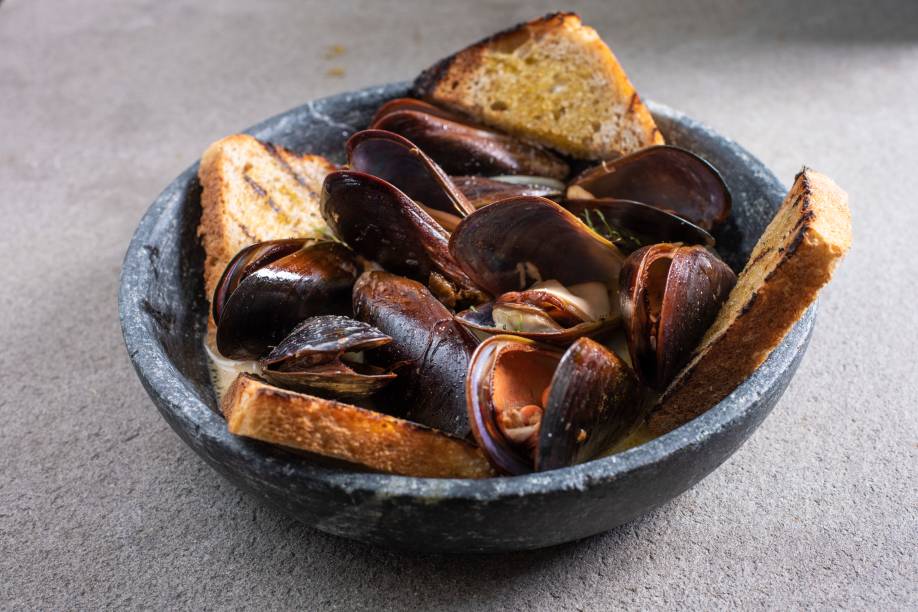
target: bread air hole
<point>499,106</point>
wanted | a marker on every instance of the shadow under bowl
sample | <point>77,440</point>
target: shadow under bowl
<point>163,318</point>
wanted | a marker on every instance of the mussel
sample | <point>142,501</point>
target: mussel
<point>665,177</point>
<point>554,278</point>
<point>323,356</point>
<point>481,191</point>
<point>270,287</point>
<point>245,262</point>
<point>631,225</point>
<point>381,222</point>
<point>429,351</point>
<point>670,295</point>
<point>399,161</point>
<point>461,147</point>
<point>534,408</point>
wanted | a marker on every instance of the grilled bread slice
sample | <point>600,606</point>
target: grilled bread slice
<point>255,191</point>
<point>792,260</point>
<point>552,81</point>
<point>377,441</point>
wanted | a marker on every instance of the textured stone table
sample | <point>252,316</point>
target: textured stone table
<point>102,103</point>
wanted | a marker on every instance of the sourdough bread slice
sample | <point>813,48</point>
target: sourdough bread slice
<point>793,259</point>
<point>374,440</point>
<point>255,191</point>
<point>552,81</point>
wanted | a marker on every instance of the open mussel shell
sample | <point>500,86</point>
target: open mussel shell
<point>413,104</point>
<point>670,294</point>
<point>245,262</point>
<point>314,358</point>
<point>322,339</point>
<point>594,401</point>
<point>460,147</point>
<point>429,351</point>
<point>400,162</point>
<point>506,370</point>
<point>665,177</point>
<point>510,244</point>
<point>480,319</point>
<point>337,379</point>
<point>588,400</point>
<point>274,297</point>
<point>481,191</point>
<point>383,224</point>
<point>631,225</point>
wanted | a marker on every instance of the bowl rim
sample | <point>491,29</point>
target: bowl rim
<point>182,406</point>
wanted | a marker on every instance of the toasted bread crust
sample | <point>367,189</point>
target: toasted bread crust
<point>464,61</point>
<point>238,210</point>
<point>455,82</point>
<point>792,261</point>
<point>377,441</point>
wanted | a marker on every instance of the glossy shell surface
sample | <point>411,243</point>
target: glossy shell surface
<point>164,321</point>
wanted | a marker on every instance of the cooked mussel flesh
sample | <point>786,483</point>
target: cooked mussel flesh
<point>548,311</point>
<point>534,408</point>
<point>324,356</point>
<point>429,351</point>
<point>268,288</point>
<point>554,278</point>
<point>670,295</point>
<point>665,177</point>
<point>460,146</point>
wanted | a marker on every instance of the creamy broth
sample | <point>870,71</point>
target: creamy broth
<point>223,371</point>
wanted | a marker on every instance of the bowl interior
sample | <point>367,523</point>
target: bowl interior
<point>163,308</point>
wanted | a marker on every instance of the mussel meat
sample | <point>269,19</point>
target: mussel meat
<point>460,146</point>
<point>270,287</point>
<point>555,279</point>
<point>631,225</point>
<point>429,351</point>
<point>665,177</point>
<point>670,295</point>
<point>534,408</point>
<point>323,355</point>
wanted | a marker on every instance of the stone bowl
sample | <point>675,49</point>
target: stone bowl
<point>163,318</point>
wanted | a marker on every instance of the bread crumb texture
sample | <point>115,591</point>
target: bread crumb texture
<point>377,441</point>
<point>552,81</point>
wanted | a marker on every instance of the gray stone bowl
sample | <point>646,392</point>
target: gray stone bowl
<point>163,313</point>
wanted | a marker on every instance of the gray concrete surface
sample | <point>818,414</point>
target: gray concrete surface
<point>101,505</point>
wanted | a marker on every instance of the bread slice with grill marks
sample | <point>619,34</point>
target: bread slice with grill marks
<point>255,191</point>
<point>552,81</point>
<point>791,262</point>
<point>374,440</point>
